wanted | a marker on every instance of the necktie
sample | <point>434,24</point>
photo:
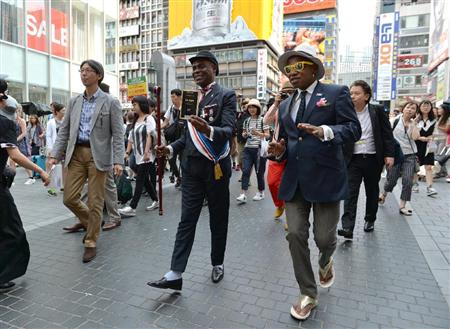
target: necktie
<point>301,108</point>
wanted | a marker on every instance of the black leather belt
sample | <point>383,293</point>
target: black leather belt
<point>365,155</point>
<point>84,144</point>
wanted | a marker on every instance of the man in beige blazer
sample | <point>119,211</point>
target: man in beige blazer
<point>93,119</point>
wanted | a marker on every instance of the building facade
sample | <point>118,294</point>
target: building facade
<point>355,66</point>
<point>143,30</point>
<point>43,42</point>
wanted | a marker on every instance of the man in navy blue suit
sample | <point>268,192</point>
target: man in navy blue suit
<point>315,122</point>
<point>206,168</point>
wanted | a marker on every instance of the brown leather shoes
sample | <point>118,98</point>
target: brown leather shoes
<point>89,254</point>
<point>75,228</point>
<point>111,225</point>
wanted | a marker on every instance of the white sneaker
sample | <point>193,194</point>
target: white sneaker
<point>154,205</point>
<point>415,187</point>
<point>242,198</point>
<point>431,191</point>
<point>127,211</point>
<point>30,181</point>
<point>258,196</point>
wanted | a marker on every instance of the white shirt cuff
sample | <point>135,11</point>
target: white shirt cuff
<point>328,133</point>
<point>170,151</point>
<point>211,134</point>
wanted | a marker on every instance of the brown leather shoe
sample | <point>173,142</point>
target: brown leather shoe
<point>89,254</point>
<point>111,225</point>
<point>75,228</point>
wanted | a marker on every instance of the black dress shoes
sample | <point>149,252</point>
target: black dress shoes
<point>166,284</point>
<point>369,226</point>
<point>217,274</point>
<point>346,233</point>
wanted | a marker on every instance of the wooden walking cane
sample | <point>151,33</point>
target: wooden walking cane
<point>160,160</point>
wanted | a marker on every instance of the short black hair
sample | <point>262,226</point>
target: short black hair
<point>151,102</point>
<point>431,114</point>
<point>57,106</point>
<point>96,66</point>
<point>365,87</point>
<point>176,91</point>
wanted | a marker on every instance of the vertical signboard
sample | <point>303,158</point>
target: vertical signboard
<point>261,79</point>
<point>439,35</point>
<point>387,30</point>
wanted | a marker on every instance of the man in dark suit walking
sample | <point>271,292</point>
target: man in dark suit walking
<point>366,158</point>
<point>206,168</point>
<point>314,124</point>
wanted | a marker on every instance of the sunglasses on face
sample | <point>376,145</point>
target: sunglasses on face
<point>296,67</point>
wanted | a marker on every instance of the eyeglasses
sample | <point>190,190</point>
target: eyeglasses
<point>86,70</point>
<point>296,67</point>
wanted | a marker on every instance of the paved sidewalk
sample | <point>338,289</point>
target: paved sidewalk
<point>383,278</point>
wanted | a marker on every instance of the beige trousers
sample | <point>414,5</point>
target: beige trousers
<point>81,169</point>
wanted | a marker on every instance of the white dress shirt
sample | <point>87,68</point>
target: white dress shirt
<point>366,144</point>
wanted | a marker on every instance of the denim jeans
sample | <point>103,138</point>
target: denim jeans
<point>250,159</point>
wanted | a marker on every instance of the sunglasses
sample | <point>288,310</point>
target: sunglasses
<point>296,67</point>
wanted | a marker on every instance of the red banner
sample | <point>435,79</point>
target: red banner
<point>300,6</point>
<point>37,30</point>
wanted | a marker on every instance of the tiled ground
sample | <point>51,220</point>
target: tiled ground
<point>383,279</point>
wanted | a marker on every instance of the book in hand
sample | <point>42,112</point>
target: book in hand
<point>189,104</point>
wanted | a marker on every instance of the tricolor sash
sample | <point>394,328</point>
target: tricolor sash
<point>203,145</point>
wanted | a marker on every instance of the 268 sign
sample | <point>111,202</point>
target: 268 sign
<point>410,61</point>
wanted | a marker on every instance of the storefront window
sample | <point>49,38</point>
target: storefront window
<point>12,62</point>
<point>96,37</point>
<point>60,12</point>
<point>16,90</point>
<point>11,22</point>
<point>60,96</point>
<point>110,44</point>
<point>37,25</point>
<point>37,68</point>
<point>38,94</point>
<point>79,31</point>
<point>60,74</point>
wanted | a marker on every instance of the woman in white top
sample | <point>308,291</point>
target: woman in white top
<point>254,131</point>
<point>140,140</point>
<point>50,136</point>
<point>405,132</point>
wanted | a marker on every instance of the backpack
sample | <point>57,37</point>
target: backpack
<point>173,131</point>
<point>124,189</point>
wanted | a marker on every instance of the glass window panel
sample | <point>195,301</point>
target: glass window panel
<point>60,96</point>
<point>96,38</point>
<point>60,74</point>
<point>37,25</point>
<point>13,68</point>
<point>250,54</point>
<point>60,12</point>
<point>37,67</point>
<point>79,31</point>
<point>16,90</point>
<point>11,22</point>
<point>38,94</point>
<point>110,47</point>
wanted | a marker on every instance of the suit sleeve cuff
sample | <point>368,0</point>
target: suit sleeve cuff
<point>328,133</point>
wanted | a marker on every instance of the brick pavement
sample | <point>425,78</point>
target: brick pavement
<point>383,279</point>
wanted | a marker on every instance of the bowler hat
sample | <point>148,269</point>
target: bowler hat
<point>306,51</point>
<point>205,54</point>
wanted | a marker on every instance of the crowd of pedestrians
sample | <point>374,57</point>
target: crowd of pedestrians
<point>317,142</point>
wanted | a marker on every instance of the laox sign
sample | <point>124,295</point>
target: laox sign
<point>59,32</point>
<point>386,45</point>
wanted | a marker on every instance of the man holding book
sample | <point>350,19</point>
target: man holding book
<point>206,167</point>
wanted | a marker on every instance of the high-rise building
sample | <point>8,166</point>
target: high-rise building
<point>316,23</point>
<point>355,65</point>
<point>43,42</point>
<point>143,30</point>
<point>406,46</point>
<point>245,38</point>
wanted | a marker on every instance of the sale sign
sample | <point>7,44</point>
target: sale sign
<point>37,33</point>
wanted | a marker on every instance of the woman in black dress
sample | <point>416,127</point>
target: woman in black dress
<point>14,249</point>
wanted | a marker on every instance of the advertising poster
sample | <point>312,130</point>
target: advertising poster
<point>37,29</point>
<point>194,23</point>
<point>439,37</point>
<point>387,30</point>
<point>300,6</point>
<point>310,30</point>
<point>137,87</point>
